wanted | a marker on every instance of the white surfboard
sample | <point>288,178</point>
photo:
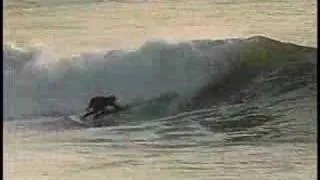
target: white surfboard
<point>78,120</point>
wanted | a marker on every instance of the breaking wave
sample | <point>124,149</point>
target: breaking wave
<point>230,85</point>
<point>37,83</point>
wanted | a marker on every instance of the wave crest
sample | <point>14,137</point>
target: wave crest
<point>36,82</point>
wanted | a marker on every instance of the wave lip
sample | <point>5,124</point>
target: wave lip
<point>200,73</point>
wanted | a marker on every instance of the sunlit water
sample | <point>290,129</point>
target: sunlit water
<point>270,136</point>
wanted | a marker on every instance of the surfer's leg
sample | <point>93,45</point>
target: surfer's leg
<point>103,112</point>
<point>98,115</point>
<point>88,114</point>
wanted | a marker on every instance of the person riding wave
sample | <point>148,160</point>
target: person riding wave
<point>98,105</point>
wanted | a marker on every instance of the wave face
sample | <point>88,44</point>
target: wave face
<point>42,83</point>
<point>256,85</point>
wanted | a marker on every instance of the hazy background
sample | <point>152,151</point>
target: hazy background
<point>173,148</point>
<point>69,27</point>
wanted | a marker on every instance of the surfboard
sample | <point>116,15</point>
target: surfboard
<point>78,120</point>
<point>89,121</point>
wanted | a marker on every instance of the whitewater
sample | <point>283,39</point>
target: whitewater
<point>202,108</point>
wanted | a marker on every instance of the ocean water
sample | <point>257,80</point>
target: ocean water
<point>220,89</point>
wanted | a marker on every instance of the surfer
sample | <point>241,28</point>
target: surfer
<point>98,105</point>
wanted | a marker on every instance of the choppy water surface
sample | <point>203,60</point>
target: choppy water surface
<point>234,108</point>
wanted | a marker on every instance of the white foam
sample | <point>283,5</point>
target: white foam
<point>48,84</point>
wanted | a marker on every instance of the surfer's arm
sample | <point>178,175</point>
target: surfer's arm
<point>117,106</point>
